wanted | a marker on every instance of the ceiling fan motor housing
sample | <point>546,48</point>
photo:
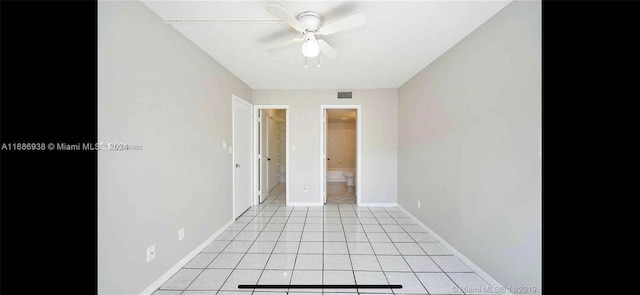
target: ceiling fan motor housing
<point>310,20</point>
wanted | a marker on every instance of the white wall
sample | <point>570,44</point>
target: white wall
<point>469,145</point>
<point>379,140</point>
<point>157,89</point>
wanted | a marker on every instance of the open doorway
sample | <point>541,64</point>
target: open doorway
<point>341,131</point>
<point>272,154</point>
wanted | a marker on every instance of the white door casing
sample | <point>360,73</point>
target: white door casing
<point>262,156</point>
<point>323,149</point>
<point>325,127</point>
<point>257,109</point>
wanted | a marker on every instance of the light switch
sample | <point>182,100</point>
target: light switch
<point>224,144</point>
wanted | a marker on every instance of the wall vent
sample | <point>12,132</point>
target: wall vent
<point>345,95</point>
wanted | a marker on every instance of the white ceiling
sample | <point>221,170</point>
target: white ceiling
<point>399,39</point>
<point>338,115</point>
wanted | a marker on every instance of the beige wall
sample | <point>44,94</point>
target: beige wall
<point>341,145</point>
<point>273,147</point>
<point>379,140</point>
<point>159,90</point>
<point>469,145</point>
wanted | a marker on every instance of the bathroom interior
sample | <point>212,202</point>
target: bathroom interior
<point>341,156</point>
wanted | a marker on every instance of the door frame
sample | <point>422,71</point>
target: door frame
<point>235,99</point>
<point>323,159</point>
<point>256,148</point>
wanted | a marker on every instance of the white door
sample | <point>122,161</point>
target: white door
<point>262,169</point>
<point>324,154</point>
<point>242,130</point>
<point>273,160</point>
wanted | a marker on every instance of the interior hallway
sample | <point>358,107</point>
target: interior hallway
<point>277,195</point>
<point>333,244</point>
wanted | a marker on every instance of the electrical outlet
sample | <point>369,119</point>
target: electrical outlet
<point>418,203</point>
<point>181,234</point>
<point>151,252</point>
<point>306,188</point>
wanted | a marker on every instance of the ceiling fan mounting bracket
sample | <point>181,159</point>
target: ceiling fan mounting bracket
<point>310,20</point>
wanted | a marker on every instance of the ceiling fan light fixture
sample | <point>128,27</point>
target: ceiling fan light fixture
<point>310,47</point>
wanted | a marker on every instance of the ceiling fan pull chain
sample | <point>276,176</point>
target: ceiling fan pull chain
<point>318,60</point>
<point>305,61</point>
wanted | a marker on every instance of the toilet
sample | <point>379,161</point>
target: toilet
<point>350,178</point>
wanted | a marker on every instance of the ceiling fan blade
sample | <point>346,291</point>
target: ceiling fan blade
<point>285,16</point>
<point>283,45</point>
<point>344,24</point>
<point>327,50</point>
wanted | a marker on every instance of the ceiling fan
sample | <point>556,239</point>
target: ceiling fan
<point>310,25</point>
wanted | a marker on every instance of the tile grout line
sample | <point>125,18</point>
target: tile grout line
<point>275,245</point>
<point>245,253</point>
<point>295,260</point>
<point>402,255</point>
<point>214,258</point>
<point>353,271</point>
<point>435,262</point>
<point>252,243</point>
<point>374,252</point>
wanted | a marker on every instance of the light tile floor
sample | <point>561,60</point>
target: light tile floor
<point>335,244</point>
<point>277,195</point>
<point>340,193</point>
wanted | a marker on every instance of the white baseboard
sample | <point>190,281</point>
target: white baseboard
<point>378,204</point>
<point>305,204</point>
<point>464,259</point>
<point>174,269</point>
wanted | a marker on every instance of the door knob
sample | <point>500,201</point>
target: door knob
<point>237,165</point>
<point>268,159</point>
